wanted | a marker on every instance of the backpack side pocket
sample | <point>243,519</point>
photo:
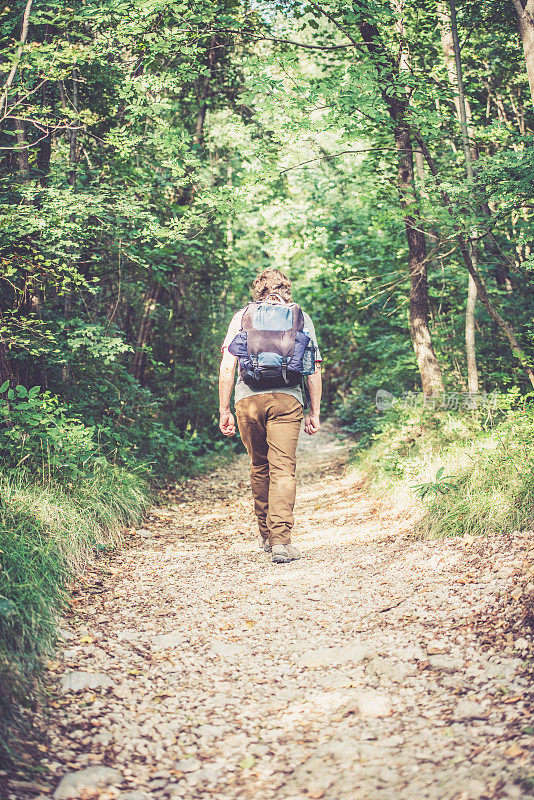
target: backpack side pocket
<point>238,345</point>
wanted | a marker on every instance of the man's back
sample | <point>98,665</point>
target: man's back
<point>242,389</point>
<point>270,419</point>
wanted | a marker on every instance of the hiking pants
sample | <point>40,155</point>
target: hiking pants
<point>269,425</point>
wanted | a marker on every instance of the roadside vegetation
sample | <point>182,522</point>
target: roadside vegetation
<point>467,471</point>
<point>61,502</point>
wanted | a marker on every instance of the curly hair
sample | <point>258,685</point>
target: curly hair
<point>271,281</point>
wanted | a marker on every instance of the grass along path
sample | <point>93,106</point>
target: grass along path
<point>193,667</point>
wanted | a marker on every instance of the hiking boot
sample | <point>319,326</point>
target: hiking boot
<point>265,544</point>
<point>283,553</point>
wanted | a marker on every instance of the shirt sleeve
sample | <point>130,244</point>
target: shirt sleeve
<point>310,330</point>
<point>233,329</point>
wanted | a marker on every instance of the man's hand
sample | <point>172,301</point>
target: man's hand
<point>226,384</point>
<point>227,423</point>
<point>315,382</point>
<point>312,424</point>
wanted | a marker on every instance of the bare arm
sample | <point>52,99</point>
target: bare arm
<point>315,387</point>
<point>226,385</point>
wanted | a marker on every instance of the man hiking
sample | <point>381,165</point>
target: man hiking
<point>273,342</point>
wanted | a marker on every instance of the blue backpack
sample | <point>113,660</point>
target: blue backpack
<point>272,349</point>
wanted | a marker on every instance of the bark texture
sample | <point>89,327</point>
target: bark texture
<point>525,23</point>
<point>205,90</point>
<point>427,362</point>
<point>479,283</point>
<point>449,38</point>
<point>145,329</point>
<point>397,106</point>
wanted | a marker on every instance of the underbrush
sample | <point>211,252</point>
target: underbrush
<point>61,500</point>
<point>46,534</point>
<point>460,471</point>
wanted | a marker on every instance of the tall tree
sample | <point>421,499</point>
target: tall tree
<point>454,71</point>
<point>397,103</point>
<point>524,10</point>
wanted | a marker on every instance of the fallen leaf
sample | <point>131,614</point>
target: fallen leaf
<point>514,751</point>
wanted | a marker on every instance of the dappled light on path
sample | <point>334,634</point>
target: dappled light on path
<point>194,667</point>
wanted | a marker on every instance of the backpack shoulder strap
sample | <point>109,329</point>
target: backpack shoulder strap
<point>246,319</point>
<point>298,318</point>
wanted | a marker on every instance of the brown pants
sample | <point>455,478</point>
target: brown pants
<point>269,425</point>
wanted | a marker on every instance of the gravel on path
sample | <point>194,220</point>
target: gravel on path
<point>194,667</point>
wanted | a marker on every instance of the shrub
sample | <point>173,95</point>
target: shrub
<point>463,470</point>
<point>60,501</point>
<point>494,491</point>
<point>38,434</point>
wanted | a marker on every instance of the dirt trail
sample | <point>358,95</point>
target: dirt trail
<point>194,667</point>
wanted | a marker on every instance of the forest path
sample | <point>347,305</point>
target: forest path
<point>194,667</point>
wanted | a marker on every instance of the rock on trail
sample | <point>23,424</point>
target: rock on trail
<point>193,667</point>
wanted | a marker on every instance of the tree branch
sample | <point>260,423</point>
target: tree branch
<point>23,37</point>
<point>464,249</point>
<point>285,41</point>
<point>334,21</point>
<point>518,7</point>
<point>336,155</point>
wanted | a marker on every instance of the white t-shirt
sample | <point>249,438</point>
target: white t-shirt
<point>241,388</point>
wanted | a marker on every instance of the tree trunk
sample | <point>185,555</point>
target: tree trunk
<point>447,46</point>
<point>427,362</point>
<point>145,329</point>
<point>501,270</point>
<point>6,371</point>
<point>198,138</point>
<point>72,136</point>
<point>44,146</point>
<point>6,374</point>
<point>518,113</point>
<point>505,326</point>
<point>73,133</point>
<point>470,154</point>
<point>419,161</point>
<point>65,369</point>
<point>470,341</point>
<point>429,368</point>
<point>12,72</point>
<point>525,22</point>
<point>22,150</point>
<point>44,153</point>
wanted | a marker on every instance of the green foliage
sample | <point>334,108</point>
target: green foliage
<point>440,485</point>
<point>38,435</point>
<point>45,534</point>
<point>494,492</point>
<point>466,471</point>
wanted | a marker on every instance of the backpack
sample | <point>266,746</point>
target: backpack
<point>272,348</point>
